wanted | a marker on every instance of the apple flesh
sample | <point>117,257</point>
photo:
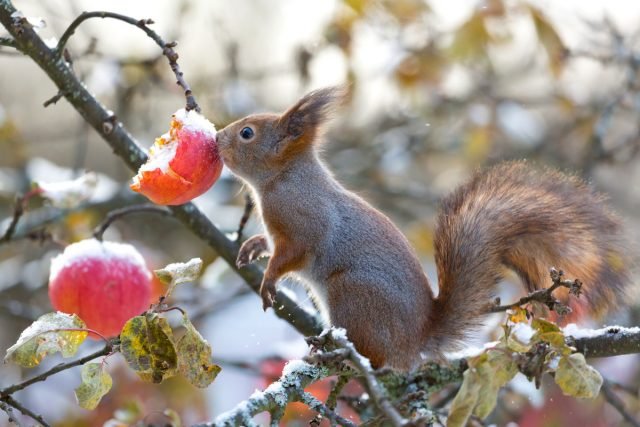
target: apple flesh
<point>183,163</point>
<point>104,283</point>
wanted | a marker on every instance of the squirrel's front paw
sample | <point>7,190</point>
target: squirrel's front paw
<point>268,294</point>
<point>251,250</point>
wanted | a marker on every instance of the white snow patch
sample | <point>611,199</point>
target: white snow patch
<point>195,121</point>
<point>470,351</point>
<point>523,333</point>
<point>69,194</point>
<point>294,365</point>
<point>51,42</point>
<point>94,249</point>
<point>575,331</point>
<point>36,22</point>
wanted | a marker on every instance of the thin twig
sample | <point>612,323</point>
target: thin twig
<point>9,411</point>
<point>375,389</point>
<point>316,405</point>
<point>545,295</point>
<point>55,98</point>
<point>26,411</point>
<point>128,210</point>
<point>18,210</point>
<point>617,403</point>
<point>248,208</point>
<point>7,391</point>
<point>167,48</point>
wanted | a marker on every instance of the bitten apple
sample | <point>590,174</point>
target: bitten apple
<point>104,283</point>
<point>183,163</point>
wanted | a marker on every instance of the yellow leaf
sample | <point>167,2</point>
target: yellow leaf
<point>576,378</point>
<point>146,342</point>
<point>96,382</point>
<point>194,357</point>
<point>550,40</point>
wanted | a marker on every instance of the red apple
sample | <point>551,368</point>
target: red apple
<point>183,163</point>
<point>104,283</point>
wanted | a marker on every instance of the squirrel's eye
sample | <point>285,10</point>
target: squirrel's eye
<point>246,133</point>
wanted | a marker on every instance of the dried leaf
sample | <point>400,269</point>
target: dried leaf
<point>96,382</point>
<point>576,378</point>
<point>146,342</point>
<point>194,357</point>
<point>480,386</point>
<point>179,272</point>
<point>46,336</point>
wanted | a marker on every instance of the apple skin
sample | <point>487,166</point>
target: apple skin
<point>104,283</point>
<point>195,167</point>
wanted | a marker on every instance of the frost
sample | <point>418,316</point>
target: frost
<point>523,333</point>
<point>88,249</point>
<point>69,194</point>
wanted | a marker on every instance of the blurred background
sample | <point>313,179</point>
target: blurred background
<point>439,88</point>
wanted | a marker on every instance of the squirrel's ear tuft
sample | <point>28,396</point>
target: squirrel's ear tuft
<point>306,117</point>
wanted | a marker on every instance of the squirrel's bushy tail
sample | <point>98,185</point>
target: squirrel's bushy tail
<point>515,217</point>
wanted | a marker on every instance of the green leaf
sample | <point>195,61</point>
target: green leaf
<point>543,326</point>
<point>47,336</point>
<point>576,378</point>
<point>96,382</point>
<point>498,370</point>
<point>556,339</point>
<point>146,342</point>
<point>194,357</point>
<point>179,272</point>
<point>465,401</point>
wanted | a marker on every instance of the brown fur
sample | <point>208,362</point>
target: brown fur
<point>361,271</point>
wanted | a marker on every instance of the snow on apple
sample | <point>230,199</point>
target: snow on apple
<point>104,283</point>
<point>183,163</point>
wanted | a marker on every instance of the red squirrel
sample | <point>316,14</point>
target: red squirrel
<point>361,271</point>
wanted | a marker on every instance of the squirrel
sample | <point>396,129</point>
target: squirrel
<point>361,271</point>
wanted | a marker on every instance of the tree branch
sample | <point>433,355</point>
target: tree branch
<point>167,48</point>
<point>289,388</point>
<point>26,411</point>
<point>9,411</point>
<point>7,391</point>
<point>124,145</point>
<point>128,210</point>
<point>606,342</point>
<point>617,403</point>
<point>545,296</point>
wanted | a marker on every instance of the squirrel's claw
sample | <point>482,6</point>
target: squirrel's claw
<point>268,294</point>
<point>251,250</point>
